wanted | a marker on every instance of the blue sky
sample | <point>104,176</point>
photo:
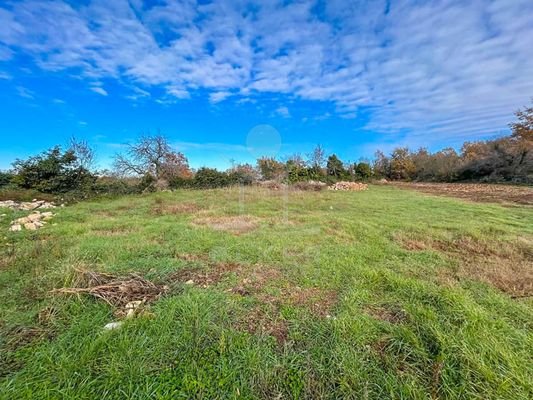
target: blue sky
<point>353,76</point>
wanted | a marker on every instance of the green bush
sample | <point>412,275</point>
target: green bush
<point>207,178</point>
<point>5,178</point>
<point>53,171</point>
<point>179,182</point>
<point>363,171</point>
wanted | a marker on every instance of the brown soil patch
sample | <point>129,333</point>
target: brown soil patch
<point>205,277</point>
<point>233,224</point>
<point>388,313</point>
<point>253,281</point>
<point>20,336</point>
<point>505,265</point>
<point>259,322</point>
<point>475,191</point>
<point>319,301</point>
<point>116,291</point>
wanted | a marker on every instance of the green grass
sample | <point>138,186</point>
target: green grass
<point>401,324</point>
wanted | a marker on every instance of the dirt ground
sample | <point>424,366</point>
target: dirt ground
<point>490,193</point>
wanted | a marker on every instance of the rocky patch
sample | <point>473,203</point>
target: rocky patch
<point>32,222</point>
<point>27,205</point>
<point>349,186</point>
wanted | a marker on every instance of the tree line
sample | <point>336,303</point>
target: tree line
<point>151,164</point>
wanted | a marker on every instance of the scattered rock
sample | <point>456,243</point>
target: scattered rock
<point>32,222</point>
<point>132,307</point>
<point>30,226</point>
<point>113,325</point>
<point>349,186</point>
<point>189,282</point>
<point>27,206</point>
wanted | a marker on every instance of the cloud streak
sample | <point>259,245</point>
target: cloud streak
<point>435,69</point>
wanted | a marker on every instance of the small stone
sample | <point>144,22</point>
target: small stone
<point>113,325</point>
<point>189,282</point>
<point>34,217</point>
<point>31,226</point>
<point>15,228</point>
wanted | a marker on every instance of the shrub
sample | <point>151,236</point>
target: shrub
<point>5,178</point>
<point>208,178</point>
<point>310,186</point>
<point>363,171</point>
<point>53,171</point>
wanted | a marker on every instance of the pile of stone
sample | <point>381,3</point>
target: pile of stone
<point>349,186</point>
<point>26,205</point>
<point>32,222</point>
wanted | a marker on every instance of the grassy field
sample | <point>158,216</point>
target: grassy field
<point>386,293</point>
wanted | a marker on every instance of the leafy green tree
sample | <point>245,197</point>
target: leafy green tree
<point>363,170</point>
<point>5,178</point>
<point>53,171</point>
<point>335,168</point>
<point>401,164</point>
<point>296,169</point>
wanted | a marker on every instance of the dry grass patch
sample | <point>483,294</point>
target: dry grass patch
<point>116,291</point>
<point>162,208</point>
<point>388,313</point>
<point>474,191</point>
<point>505,265</point>
<point>192,257</point>
<point>236,225</point>
<point>204,277</point>
<point>114,231</point>
<point>260,322</point>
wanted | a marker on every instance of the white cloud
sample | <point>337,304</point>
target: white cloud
<point>99,90</point>
<point>436,69</point>
<point>25,92</point>
<point>283,111</point>
<point>217,97</point>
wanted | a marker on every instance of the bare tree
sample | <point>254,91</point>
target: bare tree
<point>523,128</point>
<point>317,158</point>
<point>85,155</point>
<point>152,155</point>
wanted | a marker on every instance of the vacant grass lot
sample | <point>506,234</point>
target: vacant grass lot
<point>380,294</point>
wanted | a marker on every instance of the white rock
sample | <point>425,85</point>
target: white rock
<point>31,226</point>
<point>15,228</point>
<point>34,217</point>
<point>189,282</point>
<point>113,325</point>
